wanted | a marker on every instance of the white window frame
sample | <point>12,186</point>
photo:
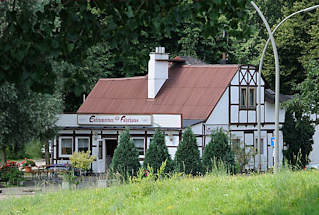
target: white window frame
<point>140,138</point>
<point>77,143</point>
<point>60,146</point>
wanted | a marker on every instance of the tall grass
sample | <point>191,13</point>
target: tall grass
<point>284,193</point>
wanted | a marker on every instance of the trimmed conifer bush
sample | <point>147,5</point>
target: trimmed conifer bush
<point>157,153</point>
<point>187,157</point>
<point>125,160</point>
<point>218,150</point>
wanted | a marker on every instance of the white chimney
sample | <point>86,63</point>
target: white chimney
<point>157,71</point>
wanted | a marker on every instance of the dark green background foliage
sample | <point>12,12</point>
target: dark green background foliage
<point>297,41</point>
<point>297,131</point>
<point>48,41</point>
<point>24,115</point>
<point>157,153</point>
<point>125,160</point>
<point>308,96</point>
<point>187,157</point>
<point>218,149</point>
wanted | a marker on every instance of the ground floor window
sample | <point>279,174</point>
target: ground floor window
<point>261,149</point>
<point>66,144</point>
<point>83,144</point>
<point>235,141</point>
<point>100,150</point>
<point>139,144</point>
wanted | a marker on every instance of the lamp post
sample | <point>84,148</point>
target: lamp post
<point>259,83</point>
<point>276,84</point>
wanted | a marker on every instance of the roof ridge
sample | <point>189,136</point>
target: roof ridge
<point>212,65</point>
<point>123,78</point>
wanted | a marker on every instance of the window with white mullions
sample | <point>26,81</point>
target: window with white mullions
<point>66,146</point>
<point>139,144</point>
<point>83,144</point>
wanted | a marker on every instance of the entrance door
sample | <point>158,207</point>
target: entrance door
<point>110,146</point>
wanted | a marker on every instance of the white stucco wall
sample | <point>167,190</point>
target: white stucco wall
<point>67,120</point>
<point>220,112</point>
<point>314,155</point>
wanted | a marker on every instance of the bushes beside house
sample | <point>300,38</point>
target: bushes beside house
<point>125,159</point>
<point>218,150</point>
<point>218,153</point>
<point>187,157</point>
<point>157,153</point>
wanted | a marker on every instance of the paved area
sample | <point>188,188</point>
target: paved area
<point>34,184</point>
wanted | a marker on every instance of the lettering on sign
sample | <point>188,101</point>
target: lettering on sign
<point>114,119</point>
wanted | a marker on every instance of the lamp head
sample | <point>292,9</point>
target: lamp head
<point>311,8</point>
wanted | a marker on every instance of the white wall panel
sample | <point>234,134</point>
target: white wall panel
<point>167,120</point>
<point>67,120</point>
<point>243,116</point>
<point>172,152</point>
<point>234,95</point>
<point>220,112</point>
<point>314,155</point>
<point>235,79</point>
<point>234,113</point>
<point>252,117</point>
<point>249,139</point>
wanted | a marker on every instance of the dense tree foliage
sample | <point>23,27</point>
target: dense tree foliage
<point>297,131</point>
<point>187,157</point>
<point>157,153</point>
<point>125,159</point>
<point>218,150</point>
<point>48,40</point>
<point>297,42</point>
<point>25,115</point>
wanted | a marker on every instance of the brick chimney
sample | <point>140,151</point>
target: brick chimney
<point>157,71</point>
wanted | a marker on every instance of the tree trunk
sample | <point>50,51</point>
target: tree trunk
<point>3,158</point>
<point>46,152</point>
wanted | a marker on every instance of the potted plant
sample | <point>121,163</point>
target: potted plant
<point>10,173</point>
<point>27,164</point>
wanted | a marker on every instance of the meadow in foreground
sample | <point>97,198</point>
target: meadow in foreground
<point>284,193</point>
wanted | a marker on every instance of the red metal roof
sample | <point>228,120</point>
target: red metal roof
<point>191,90</point>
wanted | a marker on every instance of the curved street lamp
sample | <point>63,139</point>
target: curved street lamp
<point>277,92</point>
<point>276,84</point>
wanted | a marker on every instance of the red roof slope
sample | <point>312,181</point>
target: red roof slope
<point>191,90</point>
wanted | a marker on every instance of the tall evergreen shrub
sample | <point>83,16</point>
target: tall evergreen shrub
<point>187,157</point>
<point>125,160</point>
<point>157,153</point>
<point>297,134</point>
<point>218,150</point>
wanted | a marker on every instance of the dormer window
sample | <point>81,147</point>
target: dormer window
<point>247,98</point>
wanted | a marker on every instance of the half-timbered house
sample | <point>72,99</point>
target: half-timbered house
<point>175,94</point>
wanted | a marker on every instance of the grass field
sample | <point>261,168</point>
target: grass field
<point>284,193</point>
